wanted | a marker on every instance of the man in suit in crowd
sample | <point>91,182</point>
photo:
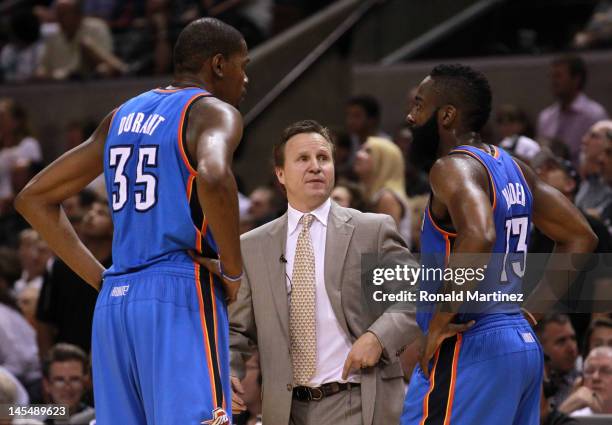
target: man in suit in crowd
<point>325,357</point>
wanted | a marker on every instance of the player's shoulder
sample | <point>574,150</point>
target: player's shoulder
<point>455,164</point>
<point>208,104</point>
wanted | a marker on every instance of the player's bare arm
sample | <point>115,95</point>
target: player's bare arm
<point>562,222</point>
<point>40,202</point>
<point>214,131</point>
<point>460,189</point>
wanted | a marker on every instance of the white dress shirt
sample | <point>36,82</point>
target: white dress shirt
<point>333,344</point>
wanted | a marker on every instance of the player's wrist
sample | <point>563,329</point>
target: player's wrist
<point>230,277</point>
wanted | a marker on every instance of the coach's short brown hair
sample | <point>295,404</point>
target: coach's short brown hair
<point>305,126</point>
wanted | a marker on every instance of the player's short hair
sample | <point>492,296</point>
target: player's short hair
<point>576,66</point>
<point>305,126</point>
<point>63,352</point>
<point>368,103</point>
<point>202,39</point>
<point>466,89</point>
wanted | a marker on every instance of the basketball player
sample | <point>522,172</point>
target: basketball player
<point>482,201</point>
<point>160,332</point>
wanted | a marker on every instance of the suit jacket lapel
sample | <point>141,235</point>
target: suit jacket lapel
<point>339,233</point>
<point>272,251</point>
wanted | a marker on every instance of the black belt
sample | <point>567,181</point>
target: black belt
<point>318,393</point>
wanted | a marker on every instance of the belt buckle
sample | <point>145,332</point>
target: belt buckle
<point>302,393</point>
<point>316,394</point>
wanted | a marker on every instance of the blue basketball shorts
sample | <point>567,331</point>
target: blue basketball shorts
<point>160,348</point>
<point>491,374</point>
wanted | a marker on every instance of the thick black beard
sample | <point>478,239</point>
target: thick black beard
<point>425,143</point>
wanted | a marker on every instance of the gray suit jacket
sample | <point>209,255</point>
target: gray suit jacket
<point>260,316</point>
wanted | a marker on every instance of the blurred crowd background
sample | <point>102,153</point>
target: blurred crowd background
<point>46,310</point>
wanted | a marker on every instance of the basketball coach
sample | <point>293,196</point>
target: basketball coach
<point>325,357</point>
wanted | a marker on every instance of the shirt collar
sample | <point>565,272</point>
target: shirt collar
<point>577,105</point>
<point>294,216</point>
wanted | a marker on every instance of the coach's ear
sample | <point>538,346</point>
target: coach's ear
<point>217,64</point>
<point>448,114</point>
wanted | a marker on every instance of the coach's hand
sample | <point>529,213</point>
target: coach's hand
<point>214,266</point>
<point>365,352</point>
<point>436,335</point>
<point>238,404</point>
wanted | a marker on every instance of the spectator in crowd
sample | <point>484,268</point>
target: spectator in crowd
<point>249,391</point>
<point>20,58</point>
<point>598,31</point>
<point>66,304</point>
<point>16,142</point>
<point>7,382</point>
<point>363,119</point>
<point>18,349</point>
<point>594,396</point>
<point>344,155</point>
<point>33,256</point>
<point>66,379</point>
<point>606,171</point>
<point>262,208</point>
<point>550,414</point>
<point>11,222</point>
<point>83,47</point>
<point>416,179</point>
<point>594,194</point>
<point>561,175</point>
<point>77,131</point>
<point>380,167</point>
<point>77,206</point>
<point>8,393</point>
<point>556,146</point>
<point>515,130</point>
<point>103,9</point>
<point>348,195</point>
<point>10,270</point>
<point>558,339</point>
<point>570,117</point>
<point>599,334</point>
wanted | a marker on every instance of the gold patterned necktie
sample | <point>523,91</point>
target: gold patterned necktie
<point>302,326</point>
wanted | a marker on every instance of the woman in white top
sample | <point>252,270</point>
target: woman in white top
<point>379,164</point>
<point>515,131</point>
<point>16,143</point>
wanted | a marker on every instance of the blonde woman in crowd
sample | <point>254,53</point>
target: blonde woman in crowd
<point>379,164</point>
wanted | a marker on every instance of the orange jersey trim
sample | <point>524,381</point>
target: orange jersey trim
<point>180,132</point>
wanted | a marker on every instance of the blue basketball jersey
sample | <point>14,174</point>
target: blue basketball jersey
<point>151,183</point>
<point>511,201</point>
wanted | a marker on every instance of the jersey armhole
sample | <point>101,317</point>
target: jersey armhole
<point>492,194</point>
<point>190,162</point>
<point>520,171</point>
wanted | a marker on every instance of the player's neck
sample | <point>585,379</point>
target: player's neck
<point>460,138</point>
<point>189,81</point>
